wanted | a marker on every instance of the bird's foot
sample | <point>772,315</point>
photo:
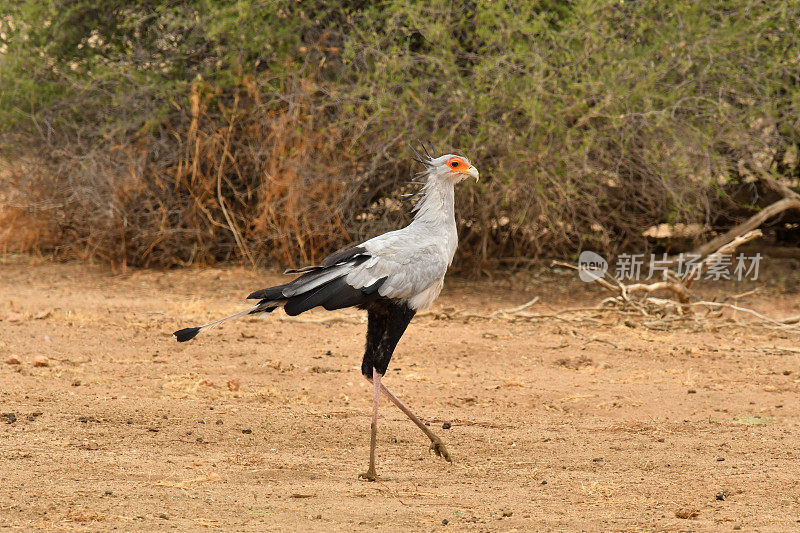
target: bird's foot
<point>369,475</point>
<point>437,446</point>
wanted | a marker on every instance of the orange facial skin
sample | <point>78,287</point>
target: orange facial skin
<point>457,165</point>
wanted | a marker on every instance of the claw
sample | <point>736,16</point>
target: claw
<point>369,475</point>
<point>438,448</point>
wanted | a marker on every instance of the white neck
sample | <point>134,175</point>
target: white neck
<point>435,213</point>
<point>436,203</point>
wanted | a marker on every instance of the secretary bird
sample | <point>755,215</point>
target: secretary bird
<point>391,276</point>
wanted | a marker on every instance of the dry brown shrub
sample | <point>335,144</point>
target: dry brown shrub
<point>20,231</point>
<point>263,184</point>
<point>23,227</point>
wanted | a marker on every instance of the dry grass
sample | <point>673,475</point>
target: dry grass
<point>255,188</point>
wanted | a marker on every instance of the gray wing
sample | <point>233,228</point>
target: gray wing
<point>403,264</point>
<point>411,263</point>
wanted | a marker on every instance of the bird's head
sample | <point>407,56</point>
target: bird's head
<point>453,168</point>
<point>449,167</point>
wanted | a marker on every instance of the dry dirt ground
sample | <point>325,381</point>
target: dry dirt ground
<point>261,425</point>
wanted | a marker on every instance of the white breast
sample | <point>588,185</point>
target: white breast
<point>424,299</point>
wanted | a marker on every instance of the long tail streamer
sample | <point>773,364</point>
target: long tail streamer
<point>187,334</point>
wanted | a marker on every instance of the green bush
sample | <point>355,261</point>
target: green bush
<point>168,133</point>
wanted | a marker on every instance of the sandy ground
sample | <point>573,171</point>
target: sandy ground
<point>263,425</point>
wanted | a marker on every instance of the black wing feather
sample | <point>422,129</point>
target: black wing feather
<point>346,296</point>
<point>336,294</point>
<point>276,293</point>
<point>336,258</point>
<point>343,255</point>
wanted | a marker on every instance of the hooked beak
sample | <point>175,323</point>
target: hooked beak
<point>472,171</point>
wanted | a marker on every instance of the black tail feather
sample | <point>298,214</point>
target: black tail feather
<point>323,285</point>
<point>262,307</point>
<point>186,334</point>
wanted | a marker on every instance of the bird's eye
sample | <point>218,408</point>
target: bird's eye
<point>454,164</point>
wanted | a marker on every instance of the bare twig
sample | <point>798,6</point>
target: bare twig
<point>225,154</point>
<point>329,318</point>
<point>676,288</point>
<point>605,341</point>
<point>599,281</point>
<point>454,314</point>
<point>517,309</point>
<point>744,294</point>
<point>744,310</point>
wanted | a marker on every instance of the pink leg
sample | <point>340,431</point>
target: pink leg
<point>436,443</point>
<point>370,474</point>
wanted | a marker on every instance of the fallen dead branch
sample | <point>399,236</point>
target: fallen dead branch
<point>518,313</point>
<point>726,249</point>
<point>459,422</point>
<point>661,312</point>
<point>791,200</point>
<point>517,309</point>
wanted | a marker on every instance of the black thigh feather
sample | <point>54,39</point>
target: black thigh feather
<point>387,321</point>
